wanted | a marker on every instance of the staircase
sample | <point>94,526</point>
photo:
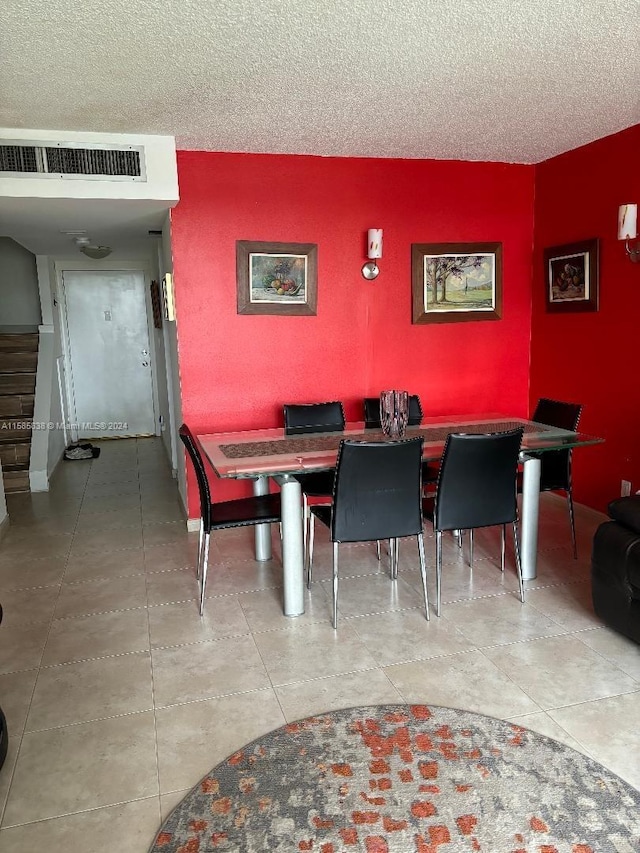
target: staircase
<point>18,363</point>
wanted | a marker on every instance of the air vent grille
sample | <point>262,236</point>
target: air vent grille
<point>18,158</point>
<point>68,161</point>
<point>90,161</point>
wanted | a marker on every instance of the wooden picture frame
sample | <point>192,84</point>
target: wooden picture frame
<point>156,306</point>
<point>277,278</point>
<point>571,277</point>
<point>456,282</point>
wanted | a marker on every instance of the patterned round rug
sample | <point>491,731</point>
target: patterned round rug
<point>401,778</point>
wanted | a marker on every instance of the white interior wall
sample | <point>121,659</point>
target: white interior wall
<point>173,374</point>
<point>19,297</point>
<point>47,438</point>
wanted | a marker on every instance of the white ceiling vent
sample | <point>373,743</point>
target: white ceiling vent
<point>69,160</point>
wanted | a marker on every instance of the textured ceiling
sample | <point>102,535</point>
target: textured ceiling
<point>507,80</point>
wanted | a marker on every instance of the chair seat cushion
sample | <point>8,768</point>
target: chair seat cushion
<point>626,511</point>
<point>317,483</point>
<point>264,509</point>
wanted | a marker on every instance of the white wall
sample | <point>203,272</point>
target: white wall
<point>47,442</point>
<point>173,375</point>
<point>19,298</point>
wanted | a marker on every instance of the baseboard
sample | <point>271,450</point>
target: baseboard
<point>193,525</point>
<point>4,526</point>
<point>38,481</point>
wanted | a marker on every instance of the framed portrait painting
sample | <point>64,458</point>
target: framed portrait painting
<point>276,278</point>
<point>453,282</point>
<point>571,277</point>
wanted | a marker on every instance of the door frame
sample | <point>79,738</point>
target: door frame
<point>62,266</point>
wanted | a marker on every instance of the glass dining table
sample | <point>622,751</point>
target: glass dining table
<point>259,455</point>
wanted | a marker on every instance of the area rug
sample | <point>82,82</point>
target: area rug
<point>405,779</point>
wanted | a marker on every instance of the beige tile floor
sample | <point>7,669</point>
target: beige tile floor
<point>120,698</point>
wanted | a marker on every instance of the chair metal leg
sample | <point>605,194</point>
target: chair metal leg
<point>391,547</point>
<point>471,548</point>
<point>423,573</point>
<point>309,553</point>
<point>503,547</point>
<point>200,543</point>
<point>516,546</point>
<point>335,584</point>
<point>305,523</point>
<point>573,523</point>
<point>438,569</point>
<point>378,549</point>
<point>394,550</point>
<point>205,566</point>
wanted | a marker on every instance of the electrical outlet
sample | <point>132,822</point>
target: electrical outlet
<point>625,488</point>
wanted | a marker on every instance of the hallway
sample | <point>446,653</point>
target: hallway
<point>119,698</point>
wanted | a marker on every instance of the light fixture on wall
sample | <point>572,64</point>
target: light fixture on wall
<point>168,298</point>
<point>628,229</point>
<point>374,251</point>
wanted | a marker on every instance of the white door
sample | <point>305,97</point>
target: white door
<point>109,354</point>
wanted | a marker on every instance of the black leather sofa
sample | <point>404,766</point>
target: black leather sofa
<point>615,568</point>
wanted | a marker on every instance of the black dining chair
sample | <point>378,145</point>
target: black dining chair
<point>377,495</point>
<point>372,421</point>
<point>476,488</point>
<point>305,418</point>
<point>242,512</point>
<point>555,465</point>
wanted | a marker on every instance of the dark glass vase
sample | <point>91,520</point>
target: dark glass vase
<point>394,413</point>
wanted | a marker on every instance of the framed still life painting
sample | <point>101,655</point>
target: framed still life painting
<point>453,282</point>
<point>276,278</point>
<point>571,277</point>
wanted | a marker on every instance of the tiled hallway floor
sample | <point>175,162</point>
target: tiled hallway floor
<point>119,697</point>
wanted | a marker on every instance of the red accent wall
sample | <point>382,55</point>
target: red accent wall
<point>592,358</point>
<point>237,371</point>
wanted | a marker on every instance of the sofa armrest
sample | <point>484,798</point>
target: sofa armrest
<point>626,511</point>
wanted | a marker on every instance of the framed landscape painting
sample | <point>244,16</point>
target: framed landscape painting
<point>276,278</point>
<point>571,277</point>
<point>453,282</point>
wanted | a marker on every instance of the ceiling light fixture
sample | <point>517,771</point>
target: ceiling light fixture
<point>97,253</point>
<point>91,250</point>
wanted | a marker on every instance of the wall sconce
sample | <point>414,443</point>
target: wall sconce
<point>168,298</point>
<point>374,251</point>
<point>628,229</point>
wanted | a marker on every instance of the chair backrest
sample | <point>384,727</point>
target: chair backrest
<point>201,475</point>
<point>372,412</point>
<point>558,414</point>
<point>555,469</point>
<point>377,490</point>
<point>477,480</point>
<point>301,418</point>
